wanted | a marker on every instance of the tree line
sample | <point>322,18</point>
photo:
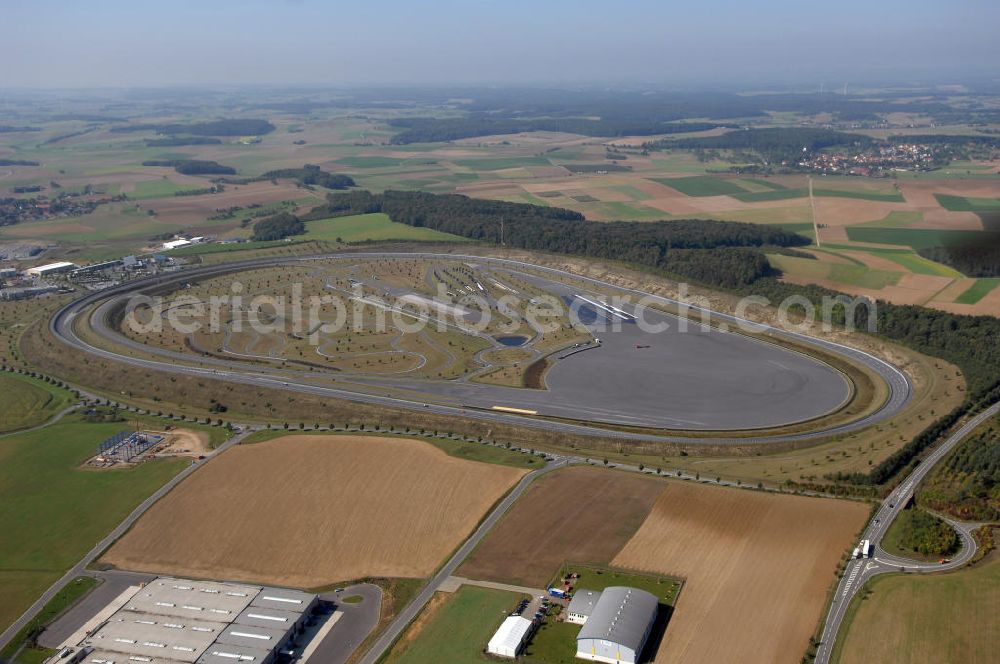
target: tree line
<point>980,260</point>
<point>172,141</point>
<point>968,483</point>
<point>774,144</point>
<point>193,166</point>
<point>721,252</point>
<point>221,127</point>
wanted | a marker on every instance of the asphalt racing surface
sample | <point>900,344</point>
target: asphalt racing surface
<point>700,379</point>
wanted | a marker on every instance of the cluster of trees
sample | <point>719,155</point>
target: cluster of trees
<point>221,127</point>
<point>11,129</point>
<point>717,252</point>
<point>172,141</point>
<point>925,533</point>
<point>432,130</point>
<point>310,174</point>
<point>193,166</point>
<point>17,162</point>
<point>979,260</point>
<point>277,227</point>
<point>774,145</point>
<point>968,484</point>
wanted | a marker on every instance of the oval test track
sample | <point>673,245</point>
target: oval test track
<point>61,326</point>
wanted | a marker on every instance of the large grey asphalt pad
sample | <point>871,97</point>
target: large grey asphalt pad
<point>112,584</point>
<point>353,627</point>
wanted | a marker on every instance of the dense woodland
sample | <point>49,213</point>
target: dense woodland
<point>222,127</point>
<point>193,166</point>
<point>17,162</point>
<point>277,227</point>
<point>967,485</point>
<point>980,260</point>
<point>723,252</point>
<point>924,533</point>
<point>311,174</point>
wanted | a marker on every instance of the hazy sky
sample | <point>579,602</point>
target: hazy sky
<point>142,42</point>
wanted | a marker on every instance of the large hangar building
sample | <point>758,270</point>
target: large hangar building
<point>618,624</point>
<point>179,621</point>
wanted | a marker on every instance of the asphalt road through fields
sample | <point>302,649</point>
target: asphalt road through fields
<point>750,384</point>
<point>859,571</point>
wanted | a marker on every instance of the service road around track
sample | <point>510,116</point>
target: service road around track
<point>456,395</point>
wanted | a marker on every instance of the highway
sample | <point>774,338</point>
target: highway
<point>859,571</point>
<point>62,327</point>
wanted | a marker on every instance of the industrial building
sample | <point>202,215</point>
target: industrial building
<point>50,269</point>
<point>617,626</point>
<point>176,244</point>
<point>178,621</point>
<point>510,638</point>
<point>581,606</point>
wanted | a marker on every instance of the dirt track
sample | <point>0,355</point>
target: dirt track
<point>309,511</point>
<point>757,565</point>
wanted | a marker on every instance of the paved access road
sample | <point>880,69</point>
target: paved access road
<point>62,327</point>
<point>356,622</point>
<point>858,572</point>
<point>406,616</point>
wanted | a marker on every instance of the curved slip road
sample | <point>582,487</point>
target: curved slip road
<point>858,572</point>
<point>62,327</point>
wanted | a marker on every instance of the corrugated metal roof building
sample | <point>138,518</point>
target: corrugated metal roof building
<point>618,626</point>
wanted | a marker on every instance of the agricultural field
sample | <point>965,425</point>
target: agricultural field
<point>911,619</point>
<point>876,224</point>
<point>56,510</point>
<point>391,508</point>
<point>597,512</point>
<point>757,568</point>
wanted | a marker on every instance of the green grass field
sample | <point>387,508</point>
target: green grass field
<point>370,162</point>
<point>918,619</point>
<point>501,163</point>
<point>966,204</point>
<point>55,511</point>
<point>978,291</point>
<point>459,630</point>
<point>895,219</point>
<point>374,227</point>
<point>599,578</point>
<point>703,185</point>
<point>64,599</point>
<point>28,402</point>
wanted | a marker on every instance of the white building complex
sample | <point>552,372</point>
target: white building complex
<point>616,623</point>
<point>177,621</point>
<point>510,638</point>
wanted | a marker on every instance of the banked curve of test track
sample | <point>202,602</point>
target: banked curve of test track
<point>61,326</point>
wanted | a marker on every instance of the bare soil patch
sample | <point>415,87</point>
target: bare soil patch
<point>583,514</point>
<point>757,569</point>
<point>309,511</point>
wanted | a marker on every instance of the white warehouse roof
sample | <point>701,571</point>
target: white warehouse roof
<point>61,266</point>
<point>174,244</point>
<point>510,637</point>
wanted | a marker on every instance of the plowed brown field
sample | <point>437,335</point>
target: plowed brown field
<point>578,514</point>
<point>757,565</point>
<point>309,511</point>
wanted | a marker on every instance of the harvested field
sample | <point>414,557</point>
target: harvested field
<point>582,514</point>
<point>927,619</point>
<point>757,569</point>
<point>309,511</point>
